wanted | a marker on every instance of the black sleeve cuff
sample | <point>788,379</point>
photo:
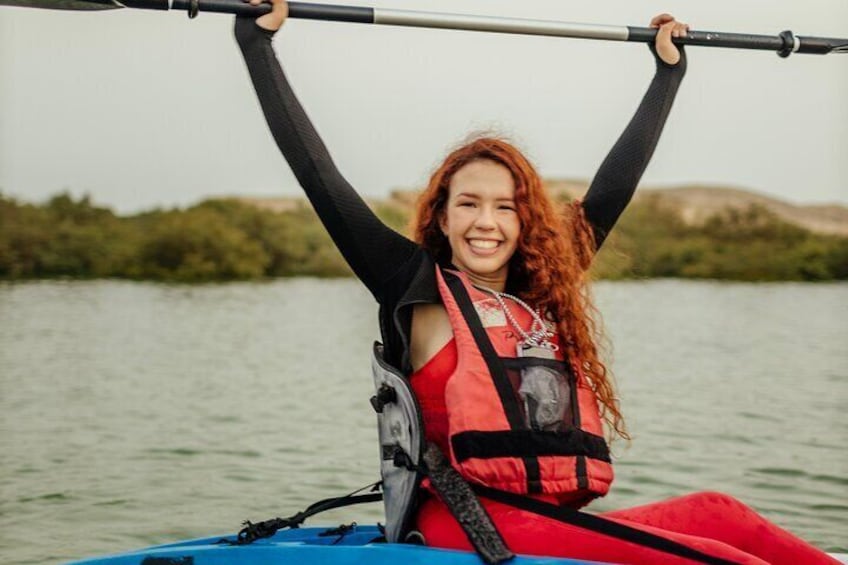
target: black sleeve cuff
<point>246,30</point>
<point>680,66</point>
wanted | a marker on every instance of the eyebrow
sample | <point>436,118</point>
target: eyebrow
<point>477,197</point>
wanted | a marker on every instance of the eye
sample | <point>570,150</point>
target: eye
<point>510,207</point>
<point>467,204</point>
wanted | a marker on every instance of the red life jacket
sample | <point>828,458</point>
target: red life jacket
<point>492,439</point>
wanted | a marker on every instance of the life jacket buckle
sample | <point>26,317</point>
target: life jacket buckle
<point>402,459</point>
<point>385,395</point>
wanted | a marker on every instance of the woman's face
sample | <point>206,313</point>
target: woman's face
<point>481,222</point>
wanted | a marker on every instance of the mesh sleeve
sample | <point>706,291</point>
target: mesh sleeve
<point>373,250</point>
<point>616,179</point>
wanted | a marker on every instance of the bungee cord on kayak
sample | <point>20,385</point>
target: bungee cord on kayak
<point>253,531</point>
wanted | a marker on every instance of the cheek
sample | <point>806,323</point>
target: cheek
<point>454,224</point>
<point>515,229</point>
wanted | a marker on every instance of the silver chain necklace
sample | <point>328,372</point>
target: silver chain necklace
<point>539,334</point>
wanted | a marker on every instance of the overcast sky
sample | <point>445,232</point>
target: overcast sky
<point>143,109</point>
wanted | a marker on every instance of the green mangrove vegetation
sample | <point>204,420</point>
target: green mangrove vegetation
<point>223,239</point>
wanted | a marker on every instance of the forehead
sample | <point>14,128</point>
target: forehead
<point>483,178</point>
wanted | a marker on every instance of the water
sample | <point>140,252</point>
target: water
<point>133,414</point>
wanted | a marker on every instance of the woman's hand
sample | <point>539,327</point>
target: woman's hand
<point>273,20</point>
<point>668,27</point>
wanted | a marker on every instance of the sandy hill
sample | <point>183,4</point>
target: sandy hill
<point>696,203</point>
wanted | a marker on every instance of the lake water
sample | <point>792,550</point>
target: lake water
<point>134,413</point>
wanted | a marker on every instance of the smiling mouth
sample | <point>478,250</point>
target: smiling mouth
<point>483,244</point>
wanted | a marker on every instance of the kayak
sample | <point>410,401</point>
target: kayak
<point>345,545</point>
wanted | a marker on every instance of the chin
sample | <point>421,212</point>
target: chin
<point>487,268</point>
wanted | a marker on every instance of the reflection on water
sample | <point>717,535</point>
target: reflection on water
<point>133,414</point>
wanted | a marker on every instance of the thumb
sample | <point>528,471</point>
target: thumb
<point>274,20</point>
<point>665,48</point>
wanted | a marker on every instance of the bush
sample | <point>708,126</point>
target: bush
<point>227,240</point>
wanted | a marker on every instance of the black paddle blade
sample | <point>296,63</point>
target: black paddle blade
<point>840,48</point>
<point>64,4</point>
<point>87,5</point>
<point>820,45</point>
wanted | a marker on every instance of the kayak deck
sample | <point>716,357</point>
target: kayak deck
<point>312,545</point>
<point>305,546</point>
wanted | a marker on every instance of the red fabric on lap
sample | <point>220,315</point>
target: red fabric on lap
<point>710,522</point>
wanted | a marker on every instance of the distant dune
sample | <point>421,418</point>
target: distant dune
<point>696,204</point>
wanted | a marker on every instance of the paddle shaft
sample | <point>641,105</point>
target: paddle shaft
<point>784,44</point>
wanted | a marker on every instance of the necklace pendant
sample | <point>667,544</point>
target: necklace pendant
<point>540,352</point>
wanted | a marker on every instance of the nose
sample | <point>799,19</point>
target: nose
<point>485,219</point>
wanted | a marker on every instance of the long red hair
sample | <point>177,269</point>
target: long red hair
<point>549,267</point>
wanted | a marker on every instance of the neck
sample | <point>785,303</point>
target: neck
<point>495,281</point>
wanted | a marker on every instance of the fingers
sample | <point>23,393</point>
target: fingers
<point>678,29</point>
<point>671,29</point>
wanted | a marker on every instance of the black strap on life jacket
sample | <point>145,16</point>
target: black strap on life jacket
<point>253,531</point>
<point>487,350</point>
<point>465,507</point>
<point>600,525</point>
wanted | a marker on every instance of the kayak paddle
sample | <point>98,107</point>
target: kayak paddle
<point>784,43</point>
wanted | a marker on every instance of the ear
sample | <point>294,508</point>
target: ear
<point>443,223</point>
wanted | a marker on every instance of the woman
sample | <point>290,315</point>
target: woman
<point>486,230</point>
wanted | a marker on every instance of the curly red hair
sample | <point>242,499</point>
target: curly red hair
<point>549,267</point>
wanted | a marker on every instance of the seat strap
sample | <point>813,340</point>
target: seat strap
<point>460,499</point>
<point>600,525</point>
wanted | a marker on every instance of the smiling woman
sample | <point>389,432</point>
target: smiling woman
<point>487,325</point>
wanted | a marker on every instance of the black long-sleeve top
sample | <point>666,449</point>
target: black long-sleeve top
<point>397,271</point>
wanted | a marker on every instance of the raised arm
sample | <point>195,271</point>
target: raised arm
<point>616,180</point>
<point>373,250</point>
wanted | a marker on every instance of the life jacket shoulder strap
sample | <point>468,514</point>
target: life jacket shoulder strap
<point>461,310</point>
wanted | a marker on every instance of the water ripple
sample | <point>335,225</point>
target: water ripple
<point>135,414</point>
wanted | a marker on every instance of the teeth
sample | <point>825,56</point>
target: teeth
<point>483,243</point>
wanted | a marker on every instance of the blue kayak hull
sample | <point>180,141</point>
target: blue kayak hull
<point>305,546</point>
<point>309,546</point>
